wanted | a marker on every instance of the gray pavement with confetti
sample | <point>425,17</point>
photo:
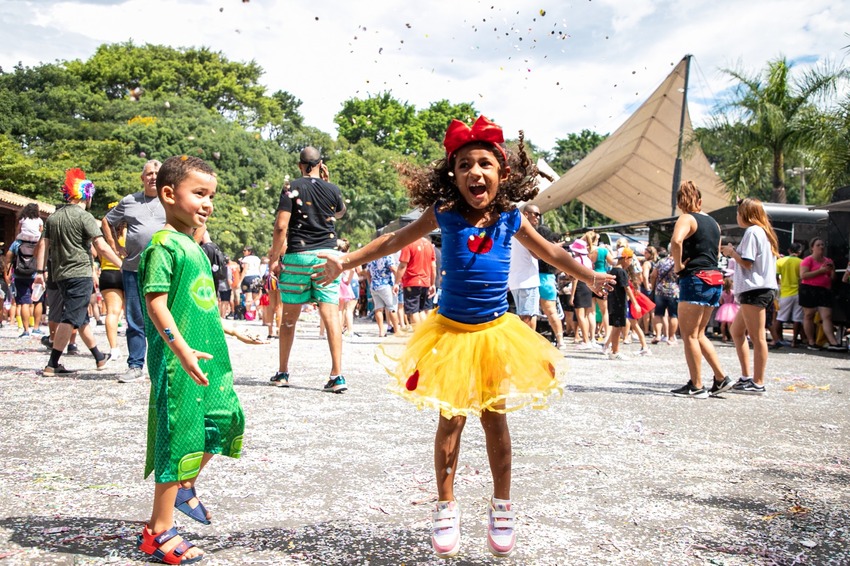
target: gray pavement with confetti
<point>616,471</point>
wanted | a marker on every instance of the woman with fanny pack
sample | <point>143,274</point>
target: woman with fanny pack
<point>695,246</point>
<point>755,289</point>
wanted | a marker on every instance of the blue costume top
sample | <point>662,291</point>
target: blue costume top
<point>475,266</point>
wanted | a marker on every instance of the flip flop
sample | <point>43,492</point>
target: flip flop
<point>199,513</point>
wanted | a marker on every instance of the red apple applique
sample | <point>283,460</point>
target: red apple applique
<point>480,244</point>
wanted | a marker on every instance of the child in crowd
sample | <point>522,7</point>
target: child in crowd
<point>473,358</point>
<point>30,226</point>
<point>634,304</point>
<point>727,310</point>
<point>193,411</point>
<point>617,303</point>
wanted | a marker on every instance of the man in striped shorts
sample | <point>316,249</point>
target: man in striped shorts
<point>304,226</point>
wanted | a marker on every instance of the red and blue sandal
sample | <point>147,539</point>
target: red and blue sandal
<point>181,503</point>
<point>150,543</point>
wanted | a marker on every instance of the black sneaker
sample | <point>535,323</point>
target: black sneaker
<point>748,386</point>
<point>813,347</point>
<point>45,341</point>
<point>51,371</point>
<point>336,384</point>
<point>73,349</point>
<point>688,390</point>
<point>836,348</point>
<point>719,387</point>
<point>280,379</point>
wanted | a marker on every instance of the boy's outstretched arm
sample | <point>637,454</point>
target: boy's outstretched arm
<point>242,337</point>
<point>157,304</point>
<point>385,244</point>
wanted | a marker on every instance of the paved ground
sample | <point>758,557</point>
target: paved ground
<point>617,471</point>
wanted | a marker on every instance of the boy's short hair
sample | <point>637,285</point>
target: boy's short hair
<point>796,248</point>
<point>177,168</point>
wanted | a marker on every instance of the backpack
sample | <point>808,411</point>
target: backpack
<point>25,260</point>
<point>217,262</point>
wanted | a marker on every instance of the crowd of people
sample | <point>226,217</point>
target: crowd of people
<point>448,282</point>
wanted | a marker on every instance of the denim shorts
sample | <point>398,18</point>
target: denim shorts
<point>694,290</point>
<point>527,301</point>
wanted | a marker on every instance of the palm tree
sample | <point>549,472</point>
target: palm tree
<point>778,111</point>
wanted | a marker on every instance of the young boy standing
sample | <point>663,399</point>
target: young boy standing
<point>194,412</point>
<point>617,302</point>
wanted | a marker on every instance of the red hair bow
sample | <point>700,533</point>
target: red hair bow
<point>459,134</point>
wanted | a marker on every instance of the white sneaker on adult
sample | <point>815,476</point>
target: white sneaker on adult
<point>116,352</point>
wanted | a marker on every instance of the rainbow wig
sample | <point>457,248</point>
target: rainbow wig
<point>76,186</point>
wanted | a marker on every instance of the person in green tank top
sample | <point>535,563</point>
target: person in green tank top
<point>194,412</point>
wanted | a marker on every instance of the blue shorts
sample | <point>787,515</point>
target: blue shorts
<point>527,301</point>
<point>548,292</point>
<point>694,290</point>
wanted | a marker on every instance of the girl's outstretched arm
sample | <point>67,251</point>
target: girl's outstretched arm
<point>557,256</point>
<point>383,245</point>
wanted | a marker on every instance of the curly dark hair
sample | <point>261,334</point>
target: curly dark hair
<point>430,185</point>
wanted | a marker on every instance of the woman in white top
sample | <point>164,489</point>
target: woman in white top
<point>755,288</point>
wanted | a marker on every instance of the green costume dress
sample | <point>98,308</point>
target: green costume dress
<point>186,419</point>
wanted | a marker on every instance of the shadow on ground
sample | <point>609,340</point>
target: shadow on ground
<point>322,543</point>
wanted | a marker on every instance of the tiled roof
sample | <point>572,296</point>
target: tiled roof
<point>21,201</point>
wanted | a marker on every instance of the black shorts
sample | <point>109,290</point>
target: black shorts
<point>415,299</point>
<point>812,297</point>
<point>617,315</point>
<point>583,298</point>
<point>111,279</point>
<point>225,295</point>
<point>77,293</point>
<point>55,303</point>
<point>757,297</point>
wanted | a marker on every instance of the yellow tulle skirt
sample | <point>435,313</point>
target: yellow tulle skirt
<point>464,369</point>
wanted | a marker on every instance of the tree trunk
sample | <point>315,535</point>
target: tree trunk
<point>778,194</point>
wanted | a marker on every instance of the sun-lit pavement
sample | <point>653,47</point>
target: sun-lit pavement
<point>616,471</point>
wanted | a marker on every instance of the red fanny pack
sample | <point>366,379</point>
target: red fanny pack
<point>710,277</point>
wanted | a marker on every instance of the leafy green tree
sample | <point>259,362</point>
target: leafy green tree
<point>128,71</point>
<point>384,121</point>
<point>371,188</point>
<point>437,117</point>
<point>778,111</point>
<point>572,149</point>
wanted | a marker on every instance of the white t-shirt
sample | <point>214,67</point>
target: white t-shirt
<point>30,229</point>
<point>250,265</point>
<point>755,247</point>
<point>523,273</point>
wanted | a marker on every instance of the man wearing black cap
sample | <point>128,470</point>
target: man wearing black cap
<point>304,226</point>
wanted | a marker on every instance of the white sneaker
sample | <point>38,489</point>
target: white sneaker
<point>445,532</point>
<point>116,352</point>
<point>619,356</point>
<point>501,536</point>
<point>644,352</point>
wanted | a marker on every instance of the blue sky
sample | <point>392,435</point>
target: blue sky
<point>550,68</point>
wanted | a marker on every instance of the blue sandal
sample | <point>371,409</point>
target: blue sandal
<point>199,513</point>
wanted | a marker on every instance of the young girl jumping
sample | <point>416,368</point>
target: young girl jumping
<point>471,357</point>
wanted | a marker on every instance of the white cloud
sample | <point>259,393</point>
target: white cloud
<point>581,65</point>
